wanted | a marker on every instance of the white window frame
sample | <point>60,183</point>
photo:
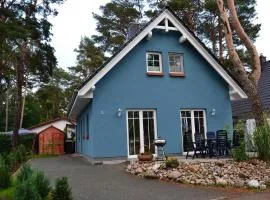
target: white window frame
<point>181,60</point>
<point>160,61</point>
<point>141,130</point>
<point>193,124</point>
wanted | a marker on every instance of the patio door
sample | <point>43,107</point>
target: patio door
<point>192,121</point>
<point>141,126</point>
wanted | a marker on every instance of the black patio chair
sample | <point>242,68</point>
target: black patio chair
<point>211,143</point>
<point>188,144</point>
<point>197,147</point>
<point>222,142</point>
<point>200,144</point>
<point>236,139</point>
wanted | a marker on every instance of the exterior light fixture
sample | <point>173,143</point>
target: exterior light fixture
<point>182,39</point>
<point>213,112</point>
<point>119,112</point>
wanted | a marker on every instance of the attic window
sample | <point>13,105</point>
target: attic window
<point>154,63</point>
<point>176,64</point>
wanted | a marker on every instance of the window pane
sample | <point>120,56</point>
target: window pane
<point>156,57</point>
<point>153,62</point>
<point>176,62</point>
<point>136,114</point>
<point>156,63</point>
<point>148,129</point>
<point>150,57</point>
<point>154,69</point>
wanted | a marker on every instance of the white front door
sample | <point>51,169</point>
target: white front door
<point>192,121</point>
<point>141,131</point>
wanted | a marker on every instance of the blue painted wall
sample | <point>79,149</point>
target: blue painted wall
<point>127,86</point>
<point>84,144</point>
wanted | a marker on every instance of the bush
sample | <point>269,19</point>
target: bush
<point>172,163</point>
<point>239,153</point>
<point>62,190</point>
<point>12,161</point>
<point>262,141</point>
<point>21,154</point>
<point>5,174</point>
<point>27,141</point>
<point>25,174</point>
<point>42,184</point>
<point>6,142</point>
<point>27,190</point>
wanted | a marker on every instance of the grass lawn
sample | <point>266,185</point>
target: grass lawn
<point>8,194</point>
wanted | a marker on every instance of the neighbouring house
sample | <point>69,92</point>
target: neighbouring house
<point>242,108</point>
<point>162,83</point>
<point>51,135</point>
<point>59,123</point>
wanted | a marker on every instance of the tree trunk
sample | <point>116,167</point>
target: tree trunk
<point>220,40</point>
<point>249,85</point>
<point>20,69</point>
<point>18,106</point>
<point>23,101</point>
<point>7,102</point>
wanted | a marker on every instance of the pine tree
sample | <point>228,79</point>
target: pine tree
<point>113,23</point>
<point>62,190</point>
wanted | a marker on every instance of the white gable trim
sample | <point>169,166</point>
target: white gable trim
<point>166,14</point>
<point>212,61</point>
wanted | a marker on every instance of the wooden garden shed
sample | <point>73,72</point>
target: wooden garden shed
<point>51,141</point>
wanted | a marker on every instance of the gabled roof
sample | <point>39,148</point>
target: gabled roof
<point>243,107</point>
<point>85,91</point>
<point>53,128</point>
<point>50,121</point>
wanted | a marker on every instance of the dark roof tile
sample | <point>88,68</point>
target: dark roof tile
<point>240,107</point>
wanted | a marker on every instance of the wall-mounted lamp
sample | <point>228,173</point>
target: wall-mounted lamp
<point>149,35</point>
<point>213,112</point>
<point>182,39</point>
<point>119,112</point>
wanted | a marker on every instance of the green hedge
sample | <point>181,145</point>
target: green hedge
<point>6,142</point>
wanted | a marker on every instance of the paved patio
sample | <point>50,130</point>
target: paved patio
<point>102,182</point>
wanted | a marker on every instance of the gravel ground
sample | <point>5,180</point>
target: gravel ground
<point>102,182</point>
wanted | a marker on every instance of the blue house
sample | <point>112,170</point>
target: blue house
<point>162,83</point>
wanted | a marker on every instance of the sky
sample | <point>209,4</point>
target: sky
<point>75,20</point>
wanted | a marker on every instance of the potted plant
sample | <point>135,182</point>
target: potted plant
<point>146,155</point>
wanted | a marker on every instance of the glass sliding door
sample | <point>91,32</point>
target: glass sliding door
<point>192,121</point>
<point>149,131</point>
<point>141,131</point>
<point>134,132</point>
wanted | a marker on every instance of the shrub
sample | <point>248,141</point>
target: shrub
<point>172,163</point>
<point>239,153</point>
<point>6,142</point>
<point>62,190</point>
<point>21,154</point>
<point>25,174</point>
<point>42,184</point>
<point>27,190</point>
<point>5,174</point>
<point>27,141</point>
<point>11,160</point>
<point>262,141</point>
